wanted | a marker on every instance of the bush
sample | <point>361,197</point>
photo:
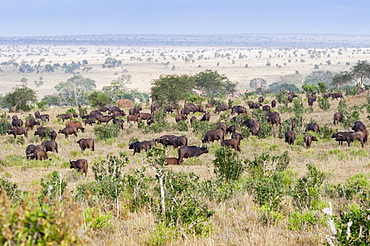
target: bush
<point>30,223</point>
<point>306,191</point>
<point>324,103</point>
<point>53,187</point>
<point>107,131</point>
<point>11,189</point>
<point>180,126</point>
<point>302,221</point>
<point>4,120</point>
<point>228,167</point>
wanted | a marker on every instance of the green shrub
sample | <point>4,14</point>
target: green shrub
<point>353,226</point>
<point>97,220</point>
<point>303,221</point>
<point>53,187</point>
<point>4,120</point>
<point>306,191</point>
<point>11,189</point>
<point>201,127</point>
<point>228,167</point>
<point>30,223</point>
<point>180,126</point>
<point>324,103</point>
<point>107,131</point>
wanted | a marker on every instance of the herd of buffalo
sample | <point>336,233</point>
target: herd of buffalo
<point>39,152</point>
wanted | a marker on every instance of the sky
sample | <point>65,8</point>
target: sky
<point>80,17</point>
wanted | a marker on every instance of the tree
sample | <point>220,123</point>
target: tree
<point>20,99</point>
<point>52,100</point>
<point>341,79</point>
<point>211,82</point>
<point>276,87</point>
<point>360,72</point>
<point>319,76</point>
<point>99,99</point>
<point>170,89</point>
<point>257,83</point>
<point>73,91</point>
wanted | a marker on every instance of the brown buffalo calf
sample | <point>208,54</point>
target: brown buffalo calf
<point>172,161</point>
<point>81,165</point>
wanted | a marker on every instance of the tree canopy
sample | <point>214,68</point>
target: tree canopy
<point>319,76</point>
<point>341,79</point>
<point>360,72</point>
<point>73,91</point>
<point>20,98</point>
<point>170,89</point>
<point>211,82</point>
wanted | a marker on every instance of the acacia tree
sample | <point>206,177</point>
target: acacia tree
<point>258,84</point>
<point>170,89</point>
<point>360,72</point>
<point>20,98</point>
<point>341,78</point>
<point>73,91</point>
<point>211,82</point>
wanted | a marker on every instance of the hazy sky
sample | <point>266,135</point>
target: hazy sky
<point>51,17</point>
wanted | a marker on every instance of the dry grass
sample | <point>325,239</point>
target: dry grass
<point>235,222</point>
<point>147,63</point>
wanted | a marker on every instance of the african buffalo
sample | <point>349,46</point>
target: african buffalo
<point>30,151</point>
<point>349,137</point>
<point>261,99</point>
<point>290,137</point>
<point>89,122</point>
<point>206,117</point>
<point>104,118</point>
<point>222,107</point>
<point>18,131</point>
<point>30,123</point>
<point>310,101</point>
<point>40,153</point>
<point>50,146</point>
<point>68,131</point>
<point>222,126</point>
<point>81,165</point>
<point>76,124</point>
<point>266,108</point>
<point>118,122</point>
<point>231,129</point>
<point>336,95</point>
<point>190,151</point>
<point>312,127</point>
<point>238,110</point>
<point>139,146</point>
<point>65,116</point>
<point>212,135</point>
<point>253,125</point>
<point>234,143</point>
<point>338,117</point>
<point>273,103</point>
<point>179,118</point>
<point>16,122</point>
<point>172,161</point>
<point>134,111</point>
<point>173,140</point>
<point>237,135</point>
<point>133,118</point>
<point>145,116</point>
<point>308,140</point>
<point>86,143</point>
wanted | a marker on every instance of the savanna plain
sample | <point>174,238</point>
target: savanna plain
<point>239,216</point>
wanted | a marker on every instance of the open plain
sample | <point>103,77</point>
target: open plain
<point>236,220</point>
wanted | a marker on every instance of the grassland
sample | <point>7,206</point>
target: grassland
<point>236,221</point>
